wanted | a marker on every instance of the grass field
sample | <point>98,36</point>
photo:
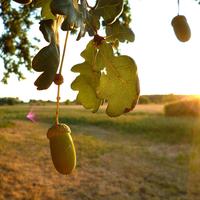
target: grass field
<point>142,155</point>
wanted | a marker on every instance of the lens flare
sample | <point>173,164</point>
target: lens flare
<point>31,116</point>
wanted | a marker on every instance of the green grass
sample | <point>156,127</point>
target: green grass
<point>141,155</point>
<point>151,126</point>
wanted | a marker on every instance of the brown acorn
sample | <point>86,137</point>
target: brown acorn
<point>181,28</point>
<point>23,1</point>
<point>63,153</point>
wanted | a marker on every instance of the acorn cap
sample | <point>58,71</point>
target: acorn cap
<point>58,129</point>
<point>177,19</point>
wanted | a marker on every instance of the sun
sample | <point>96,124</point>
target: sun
<point>197,96</point>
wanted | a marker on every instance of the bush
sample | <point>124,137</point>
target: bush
<point>189,107</point>
<point>144,100</point>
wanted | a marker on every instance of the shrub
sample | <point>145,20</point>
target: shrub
<point>188,107</point>
<point>144,100</point>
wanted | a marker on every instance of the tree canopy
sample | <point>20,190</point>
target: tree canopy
<point>16,21</point>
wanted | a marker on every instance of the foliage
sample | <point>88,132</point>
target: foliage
<point>15,46</point>
<point>120,79</point>
<point>188,107</point>
<point>47,60</point>
<point>103,76</point>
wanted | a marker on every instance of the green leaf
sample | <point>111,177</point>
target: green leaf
<point>62,7</point>
<point>70,9</point>
<point>110,10</point>
<point>47,29</point>
<point>46,11</point>
<point>120,84</point>
<point>89,54</point>
<point>118,31</point>
<point>93,23</point>
<point>86,84</point>
<point>47,59</point>
<point>39,3</point>
<point>88,80</point>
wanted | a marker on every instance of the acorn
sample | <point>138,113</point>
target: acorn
<point>62,148</point>
<point>23,1</point>
<point>181,28</point>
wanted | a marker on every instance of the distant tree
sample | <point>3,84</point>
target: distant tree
<point>15,46</point>
<point>9,101</point>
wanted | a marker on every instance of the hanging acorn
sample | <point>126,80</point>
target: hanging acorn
<point>181,28</point>
<point>63,153</point>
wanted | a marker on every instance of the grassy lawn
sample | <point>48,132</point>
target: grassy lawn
<point>141,155</point>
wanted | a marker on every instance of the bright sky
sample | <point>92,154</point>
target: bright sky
<point>165,65</point>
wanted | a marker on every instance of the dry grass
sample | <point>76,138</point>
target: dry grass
<point>111,165</point>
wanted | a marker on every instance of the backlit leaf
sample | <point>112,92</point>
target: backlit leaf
<point>46,11</point>
<point>88,80</point>
<point>89,54</point>
<point>120,84</point>
<point>110,10</point>
<point>118,31</point>
<point>105,77</point>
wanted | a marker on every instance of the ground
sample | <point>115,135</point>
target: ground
<point>140,156</point>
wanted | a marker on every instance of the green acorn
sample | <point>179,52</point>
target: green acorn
<point>63,153</point>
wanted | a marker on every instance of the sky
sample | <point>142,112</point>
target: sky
<point>165,65</point>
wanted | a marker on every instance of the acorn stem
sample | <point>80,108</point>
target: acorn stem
<point>60,72</point>
<point>57,105</point>
<point>178,6</point>
<point>64,50</point>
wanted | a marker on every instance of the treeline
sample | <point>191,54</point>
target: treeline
<point>10,101</point>
<point>49,102</point>
<point>161,99</point>
<point>144,99</point>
